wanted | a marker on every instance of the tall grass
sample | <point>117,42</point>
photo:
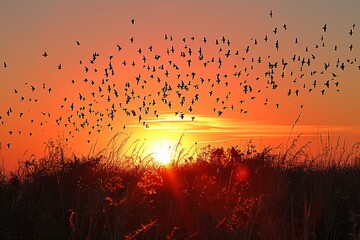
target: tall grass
<point>206,193</point>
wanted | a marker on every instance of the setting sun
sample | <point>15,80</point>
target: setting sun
<point>162,151</point>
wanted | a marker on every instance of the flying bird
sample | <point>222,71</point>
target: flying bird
<point>271,14</point>
<point>324,28</point>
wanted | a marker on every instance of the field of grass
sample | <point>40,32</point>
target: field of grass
<point>219,194</point>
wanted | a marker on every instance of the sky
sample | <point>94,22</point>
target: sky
<point>40,102</point>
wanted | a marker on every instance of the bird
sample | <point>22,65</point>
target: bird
<point>324,28</point>
<point>271,14</point>
<point>266,38</point>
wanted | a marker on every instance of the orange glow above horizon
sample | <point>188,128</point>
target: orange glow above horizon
<point>215,73</point>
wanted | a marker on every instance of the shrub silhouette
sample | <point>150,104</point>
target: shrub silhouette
<point>220,194</point>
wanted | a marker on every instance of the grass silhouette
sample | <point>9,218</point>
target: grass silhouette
<point>218,194</point>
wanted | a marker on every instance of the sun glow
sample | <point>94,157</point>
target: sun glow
<point>162,152</point>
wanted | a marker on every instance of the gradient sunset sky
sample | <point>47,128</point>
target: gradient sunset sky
<point>39,101</point>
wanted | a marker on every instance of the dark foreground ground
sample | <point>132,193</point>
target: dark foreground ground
<point>224,194</point>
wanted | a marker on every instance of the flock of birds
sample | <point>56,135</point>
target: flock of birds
<point>189,75</point>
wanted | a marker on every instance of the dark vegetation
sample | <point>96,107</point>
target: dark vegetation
<point>222,194</point>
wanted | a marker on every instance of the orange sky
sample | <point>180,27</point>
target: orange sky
<point>29,29</point>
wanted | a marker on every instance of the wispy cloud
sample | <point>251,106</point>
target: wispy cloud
<point>234,128</point>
